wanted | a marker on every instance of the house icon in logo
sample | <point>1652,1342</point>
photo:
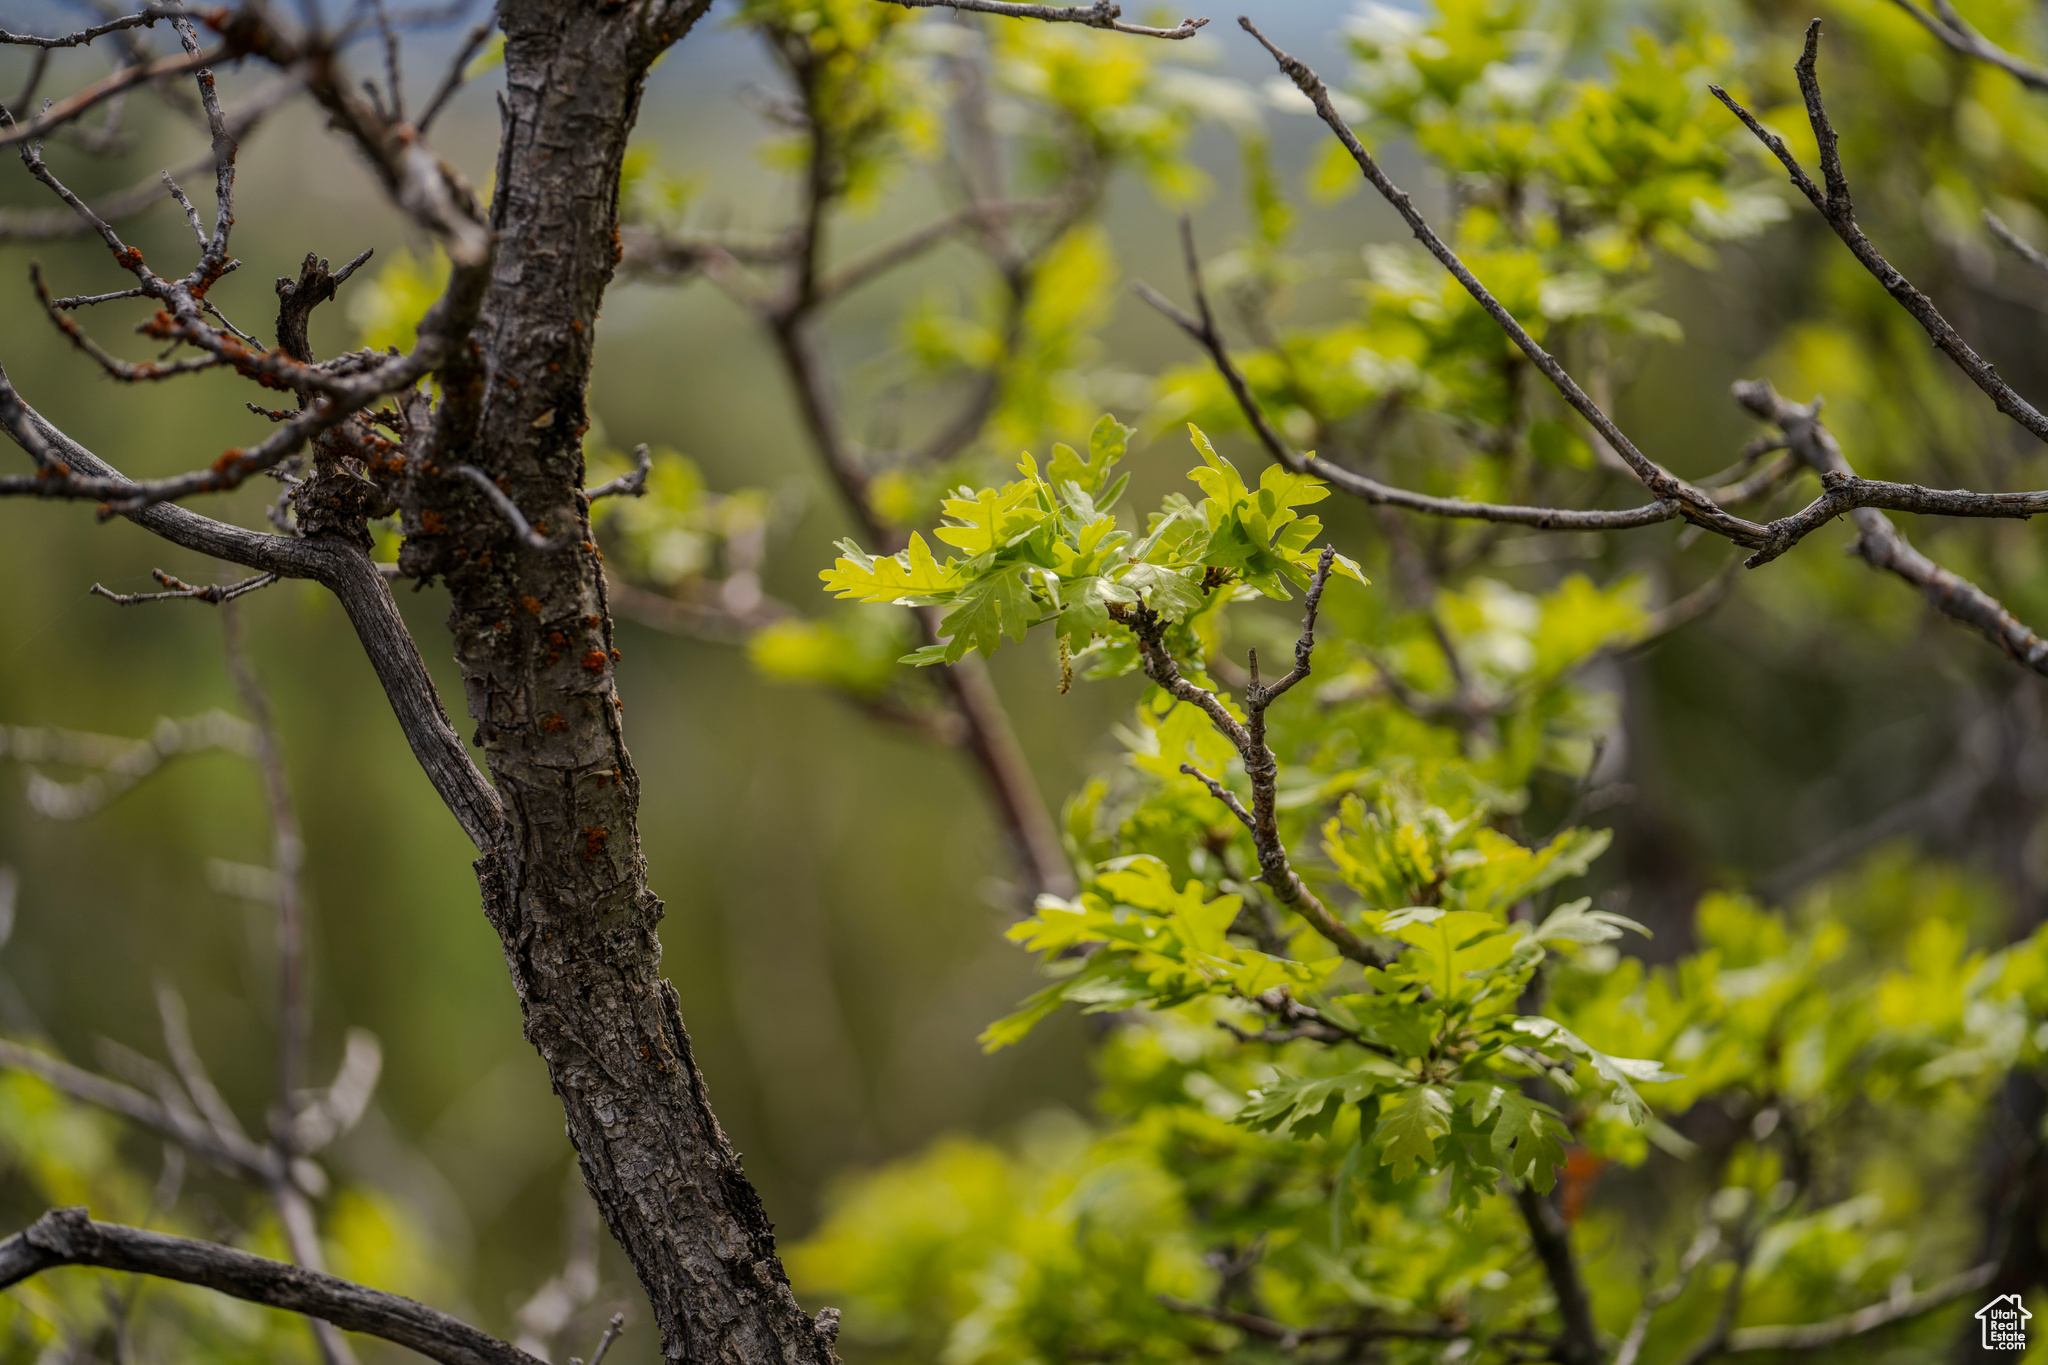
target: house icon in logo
<point>2005,1323</point>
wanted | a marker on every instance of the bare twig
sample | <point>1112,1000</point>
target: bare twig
<point>1818,1336</point>
<point>548,1311</point>
<point>1260,765</point>
<point>1835,207</point>
<point>612,1330</point>
<point>1702,1247</point>
<point>394,84</point>
<point>288,856</point>
<point>147,16</point>
<point>1204,330</point>
<point>341,567</point>
<point>20,224</point>
<point>65,110</point>
<point>1101,14</point>
<point>120,762</point>
<point>1958,36</point>
<point>457,70</point>
<point>978,215</point>
<point>69,1237</point>
<point>2018,245</point>
<point>1881,544</point>
<point>629,485</point>
<point>988,737</point>
<point>510,511</point>
<point>178,590</point>
<point>168,1115</point>
<point>1694,504</point>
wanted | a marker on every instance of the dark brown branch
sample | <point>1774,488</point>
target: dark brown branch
<point>343,569</point>
<point>1552,1238</point>
<point>1881,544</point>
<point>1101,14</point>
<point>1248,737</point>
<point>70,1237</point>
<point>1695,505</point>
<point>1835,207</point>
<point>1958,36</point>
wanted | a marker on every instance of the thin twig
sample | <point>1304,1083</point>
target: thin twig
<point>1204,330</point>
<point>143,18</point>
<point>628,485</point>
<point>1702,1247</point>
<point>1960,37</point>
<point>394,83</point>
<point>1835,207</point>
<point>177,590</point>
<point>457,72</point>
<point>510,511</point>
<point>1696,505</point>
<point>1101,14</point>
<point>65,110</point>
<point>1817,1336</point>
<point>611,1334</point>
<point>1248,737</point>
<point>174,1120</point>
<point>288,856</point>
<point>2018,245</point>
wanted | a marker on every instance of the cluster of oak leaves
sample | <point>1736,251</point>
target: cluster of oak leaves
<point>1360,1170</point>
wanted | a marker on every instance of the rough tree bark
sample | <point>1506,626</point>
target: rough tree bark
<point>565,884</point>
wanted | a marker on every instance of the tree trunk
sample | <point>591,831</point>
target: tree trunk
<point>566,886</point>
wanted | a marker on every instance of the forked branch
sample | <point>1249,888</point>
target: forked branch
<point>1248,736</point>
<point>64,1237</point>
<point>1957,35</point>
<point>1203,329</point>
<point>1695,505</point>
<point>1880,543</point>
<point>1834,205</point>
